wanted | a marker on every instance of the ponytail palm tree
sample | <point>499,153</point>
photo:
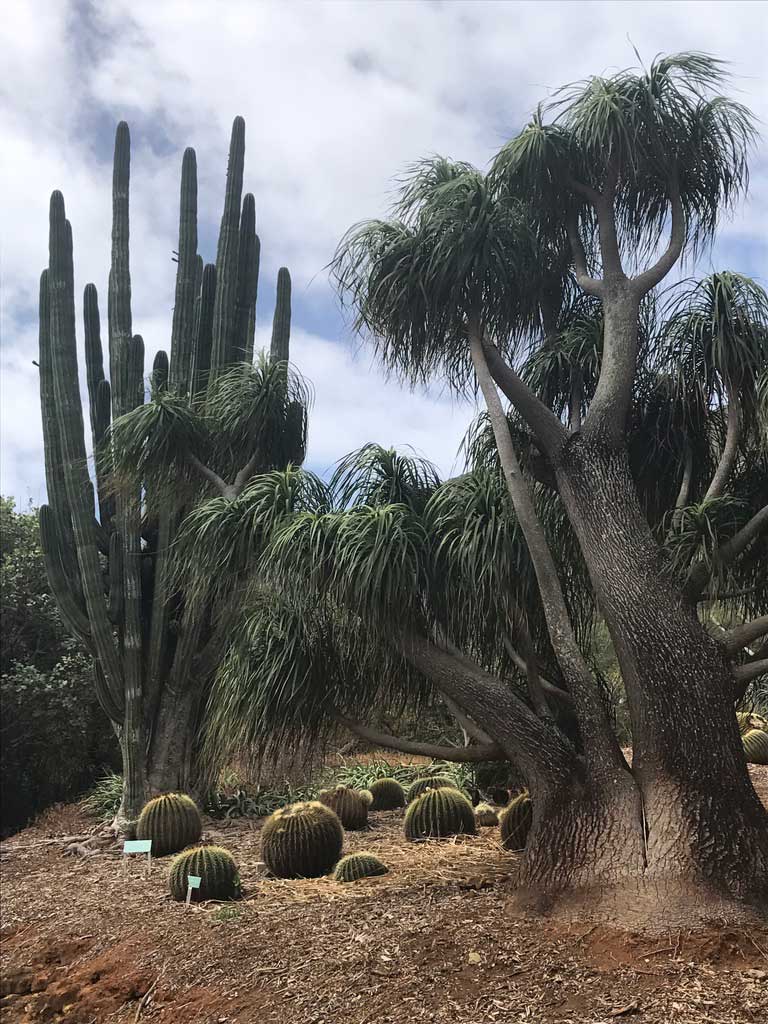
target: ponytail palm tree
<point>471,276</point>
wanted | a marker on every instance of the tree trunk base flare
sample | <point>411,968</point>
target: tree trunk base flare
<point>671,860</point>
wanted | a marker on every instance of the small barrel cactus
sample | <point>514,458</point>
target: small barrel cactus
<point>429,782</point>
<point>359,865</point>
<point>350,805</point>
<point>387,795</point>
<point>756,746</point>
<point>367,797</point>
<point>172,821</point>
<point>216,868</point>
<point>439,813</point>
<point>516,821</point>
<point>302,840</point>
<point>485,815</point>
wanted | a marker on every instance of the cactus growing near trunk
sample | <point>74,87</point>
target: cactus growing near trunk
<point>171,821</point>
<point>485,815</point>
<point>515,821</point>
<point>359,865</point>
<point>439,813</point>
<point>302,840</point>
<point>756,746</point>
<point>388,794</point>
<point>108,554</point>
<point>214,866</point>
<point>350,805</point>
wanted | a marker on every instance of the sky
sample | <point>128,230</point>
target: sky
<point>338,98</point>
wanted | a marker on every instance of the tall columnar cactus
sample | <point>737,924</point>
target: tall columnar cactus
<point>281,324</point>
<point>439,813</point>
<point>388,794</point>
<point>107,553</point>
<point>172,821</point>
<point>359,865</point>
<point>302,840</point>
<point>214,866</point>
<point>515,822</point>
<point>349,804</point>
<point>756,746</point>
<point>428,782</point>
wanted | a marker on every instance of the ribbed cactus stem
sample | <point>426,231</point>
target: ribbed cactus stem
<point>94,356</point>
<point>359,865</point>
<point>203,340</point>
<point>119,292</point>
<point>301,841</point>
<point>755,743</point>
<point>515,822</point>
<point>214,866</point>
<point>248,281</point>
<point>160,370</point>
<point>348,804</point>
<point>54,467</point>
<point>439,813</point>
<point>388,794</point>
<point>429,782</point>
<point>63,364</point>
<point>281,323</point>
<point>227,255</point>
<point>186,277</point>
<point>172,821</point>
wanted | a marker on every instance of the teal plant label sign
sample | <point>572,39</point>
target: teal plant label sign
<point>193,881</point>
<point>137,846</point>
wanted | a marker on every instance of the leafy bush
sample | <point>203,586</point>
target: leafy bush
<point>104,799</point>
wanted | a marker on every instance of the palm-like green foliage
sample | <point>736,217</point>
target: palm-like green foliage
<point>637,131</point>
<point>374,475</point>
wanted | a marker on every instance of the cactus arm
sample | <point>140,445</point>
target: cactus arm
<point>203,334</point>
<point>116,583</point>
<point>281,324</point>
<point>227,254</point>
<point>119,293</point>
<point>248,281</point>
<point>70,603</point>
<point>71,432</point>
<point>94,357</point>
<point>186,275</point>
<point>250,336</point>
<point>54,469</point>
<point>160,372</point>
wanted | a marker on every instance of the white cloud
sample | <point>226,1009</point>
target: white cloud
<point>337,97</point>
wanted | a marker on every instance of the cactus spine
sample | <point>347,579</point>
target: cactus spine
<point>429,782</point>
<point>756,746</point>
<point>387,795</point>
<point>359,865</point>
<point>349,804</point>
<point>108,573</point>
<point>302,840</point>
<point>171,821</point>
<point>214,866</point>
<point>438,813</point>
<point>515,822</point>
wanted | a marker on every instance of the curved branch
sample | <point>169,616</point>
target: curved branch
<point>700,574</point>
<point>485,752</point>
<point>466,724</point>
<point>730,449</point>
<point>547,686</point>
<point>738,637</point>
<point>685,484</point>
<point>547,428</point>
<point>221,486</point>
<point>751,670</point>
<point>651,277</point>
<point>591,285</point>
<point>245,473</point>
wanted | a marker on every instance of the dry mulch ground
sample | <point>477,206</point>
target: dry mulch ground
<point>433,941</point>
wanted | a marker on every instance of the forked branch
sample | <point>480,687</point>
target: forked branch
<point>471,754</point>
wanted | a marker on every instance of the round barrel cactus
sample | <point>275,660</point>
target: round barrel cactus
<point>485,815</point>
<point>439,813</point>
<point>359,865</point>
<point>756,746</point>
<point>172,821</point>
<point>367,797</point>
<point>302,840</point>
<point>429,782</point>
<point>388,794</point>
<point>216,868</point>
<point>516,821</point>
<point>350,805</point>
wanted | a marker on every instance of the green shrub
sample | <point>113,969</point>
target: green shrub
<point>359,865</point>
<point>303,840</point>
<point>103,800</point>
<point>439,813</point>
<point>172,821</point>
<point>216,868</point>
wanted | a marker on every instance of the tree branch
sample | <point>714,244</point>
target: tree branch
<point>751,670</point>
<point>547,686</point>
<point>221,486</point>
<point>576,398</point>
<point>730,449</point>
<point>547,428</point>
<point>245,473</point>
<point>651,277</point>
<point>700,573</point>
<point>591,285</point>
<point>739,636</point>
<point>685,484</point>
<point>485,752</point>
<point>465,722</point>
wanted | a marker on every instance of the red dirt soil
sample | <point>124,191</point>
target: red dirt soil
<point>433,942</point>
